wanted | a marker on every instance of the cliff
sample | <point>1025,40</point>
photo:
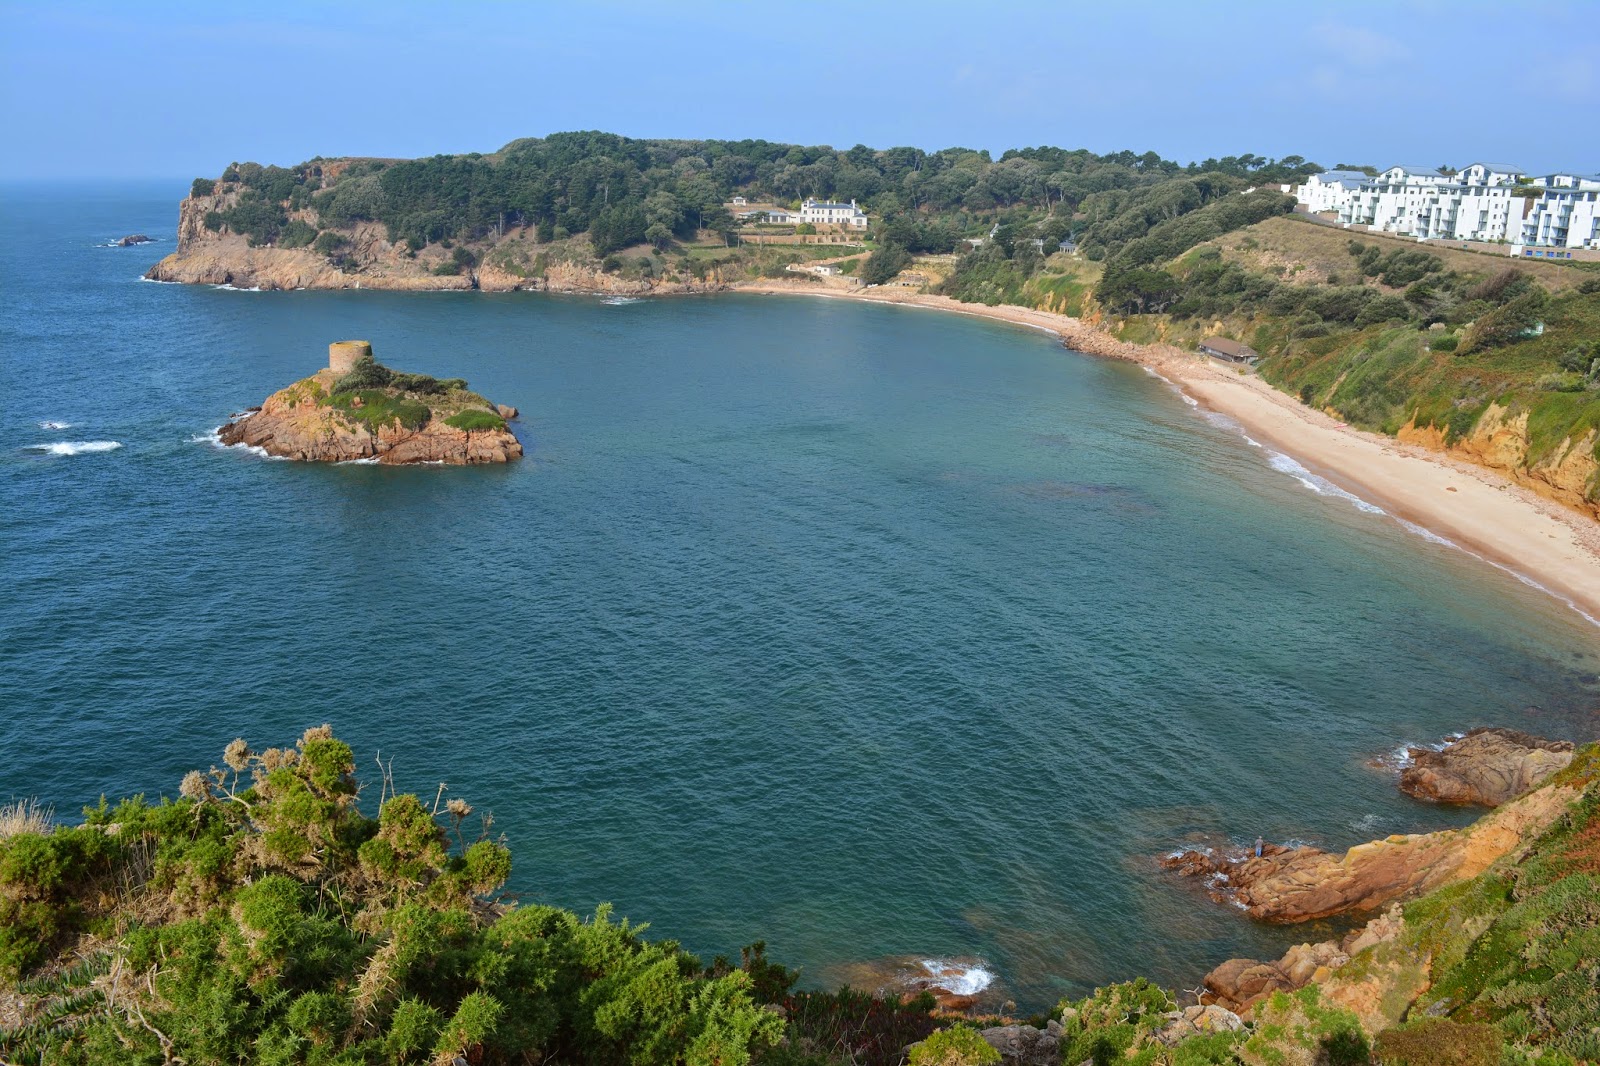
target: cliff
<point>369,412</point>
<point>360,256</point>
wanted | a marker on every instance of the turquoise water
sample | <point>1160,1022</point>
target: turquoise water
<point>865,630</point>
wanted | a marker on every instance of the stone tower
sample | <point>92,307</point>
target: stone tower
<point>343,355</point>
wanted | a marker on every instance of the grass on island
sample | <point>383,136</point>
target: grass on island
<point>376,396</point>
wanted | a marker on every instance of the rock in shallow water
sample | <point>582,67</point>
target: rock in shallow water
<point>1487,766</point>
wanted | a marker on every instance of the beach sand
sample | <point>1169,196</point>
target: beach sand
<point>1474,508</point>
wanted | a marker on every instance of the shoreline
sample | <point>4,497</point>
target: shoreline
<point>1553,548</point>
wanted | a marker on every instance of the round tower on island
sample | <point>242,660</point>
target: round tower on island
<point>344,355</point>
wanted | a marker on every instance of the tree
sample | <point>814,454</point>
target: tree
<point>884,264</point>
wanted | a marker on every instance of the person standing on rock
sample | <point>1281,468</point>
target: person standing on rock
<point>1260,846</point>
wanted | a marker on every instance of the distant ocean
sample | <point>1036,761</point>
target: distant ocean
<point>862,630</point>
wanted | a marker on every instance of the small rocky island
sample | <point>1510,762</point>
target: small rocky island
<point>134,238</point>
<point>358,409</point>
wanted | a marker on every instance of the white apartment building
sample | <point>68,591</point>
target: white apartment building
<point>1491,202</point>
<point>1566,213</point>
<point>1330,189</point>
<point>819,212</point>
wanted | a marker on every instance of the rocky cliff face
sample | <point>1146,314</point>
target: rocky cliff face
<point>371,261</point>
<point>293,424</point>
<point>1500,441</point>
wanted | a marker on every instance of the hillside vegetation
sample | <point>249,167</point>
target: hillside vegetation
<point>263,917</point>
<point>1496,358</point>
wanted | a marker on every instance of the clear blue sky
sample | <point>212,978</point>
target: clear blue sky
<point>142,88</point>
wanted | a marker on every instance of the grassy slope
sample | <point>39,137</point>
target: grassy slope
<point>1382,376</point>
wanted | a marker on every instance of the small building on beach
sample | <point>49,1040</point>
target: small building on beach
<point>1230,350</point>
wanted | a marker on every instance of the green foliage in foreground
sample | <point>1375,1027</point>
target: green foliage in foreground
<point>263,918</point>
<point>958,1045</point>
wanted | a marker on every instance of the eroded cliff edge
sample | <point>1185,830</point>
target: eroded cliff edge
<point>361,256</point>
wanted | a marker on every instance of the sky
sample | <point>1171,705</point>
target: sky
<point>179,89</point>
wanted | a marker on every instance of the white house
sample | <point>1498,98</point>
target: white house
<point>823,213</point>
<point>1482,202</point>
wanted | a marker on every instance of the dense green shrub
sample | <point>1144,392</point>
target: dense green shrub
<point>335,938</point>
<point>329,243</point>
<point>202,187</point>
<point>1107,1024</point>
<point>296,234</point>
<point>1512,321</point>
<point>885,263</point>
<point>959,1045</point>
<point>1383,308</point>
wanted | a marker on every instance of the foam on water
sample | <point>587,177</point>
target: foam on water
<point>1323,487</point>
<point>235,288</point>
<point>1317,484</point>
<point>214,438</point>
<point>619,301</point>
<point>76,447</point>
<point>957,978</point>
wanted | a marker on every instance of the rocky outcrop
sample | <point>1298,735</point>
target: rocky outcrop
<point>1487,766</point>
<point>132,239</point>
<point>295,423</point>
<point>1023,1045</point>
<point>1501,442</point>
<point>369,260</point>
<point>1301,884</point>
<point>1197,1021</point>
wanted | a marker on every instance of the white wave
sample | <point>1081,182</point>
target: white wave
<point>620,301</point>
<point>76,447</point>
<point>55,425</point>
<point>235,288</point>
<point>957,979</point>
<point>1153,372</point>
<point>157,281</point>
<point>1190,400</point>
<point>1319,485</point>
<point>1248,439</point>
<point>214,438</point>
<point>370,461</point>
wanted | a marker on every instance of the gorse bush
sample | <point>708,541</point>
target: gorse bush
<point>959,1045</point>
<point>263,917</point>
<point>368,373</point>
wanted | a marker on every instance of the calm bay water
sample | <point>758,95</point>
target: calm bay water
<point>864,630</point>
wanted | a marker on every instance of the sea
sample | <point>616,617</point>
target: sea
<point>869,632</point>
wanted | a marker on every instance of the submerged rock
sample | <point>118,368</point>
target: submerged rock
<point>1487,766</point>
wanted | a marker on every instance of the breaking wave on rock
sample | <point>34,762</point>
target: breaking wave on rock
<point>76,447</point>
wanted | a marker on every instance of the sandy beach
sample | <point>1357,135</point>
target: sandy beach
<point>1474,508</point>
